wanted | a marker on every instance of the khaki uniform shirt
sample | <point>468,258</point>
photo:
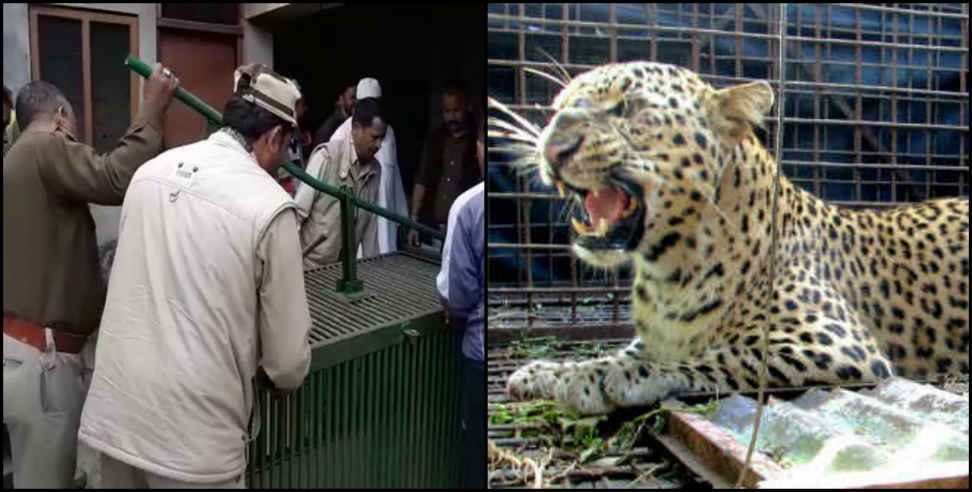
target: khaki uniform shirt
<point>391,191</point>
<point>336,163</point>
<point>50,254</point>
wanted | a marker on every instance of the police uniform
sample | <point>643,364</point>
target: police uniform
<point>52,289</point>
<point>336,163</point>
<point>391,192</point>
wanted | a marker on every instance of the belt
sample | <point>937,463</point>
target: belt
<point>33,334</point>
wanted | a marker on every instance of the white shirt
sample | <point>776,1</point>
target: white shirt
<point>391,192</point>
<point>442,279</point>
<point>206,286</point>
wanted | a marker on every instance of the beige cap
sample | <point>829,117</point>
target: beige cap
<point>368,87</point>
<point>270,91</point>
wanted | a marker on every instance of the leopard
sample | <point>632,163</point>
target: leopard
<point>666,175</point>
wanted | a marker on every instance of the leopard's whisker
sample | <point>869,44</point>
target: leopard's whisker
<point>545,75</point>
<point>520,149</point>
<point>511,136</point>
<point>524,167</point>
<point>506,125</point>
<point>530,127</point>
<point>557,64</point>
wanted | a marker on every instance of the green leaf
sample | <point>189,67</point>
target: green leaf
<point>589,453</point>
<point>659,424</point>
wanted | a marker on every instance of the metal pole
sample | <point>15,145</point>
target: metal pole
<point>348,284</point>
<point>139,67</point>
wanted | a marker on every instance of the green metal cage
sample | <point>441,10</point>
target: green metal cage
<point>380,406</point>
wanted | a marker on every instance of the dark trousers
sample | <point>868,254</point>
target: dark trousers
<point>472,395</point>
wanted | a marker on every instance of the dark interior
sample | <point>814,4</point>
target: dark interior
<point>411,49</point>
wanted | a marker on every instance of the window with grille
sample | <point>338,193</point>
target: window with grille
<point>80,52</point>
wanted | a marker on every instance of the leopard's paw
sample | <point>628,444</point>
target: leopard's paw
<point>536,380</point>
<point>580,390</point>
<point>635,385</point>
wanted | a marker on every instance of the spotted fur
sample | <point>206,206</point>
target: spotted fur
<point>859,295</point>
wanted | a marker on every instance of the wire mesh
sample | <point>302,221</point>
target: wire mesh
<point>876,115</point>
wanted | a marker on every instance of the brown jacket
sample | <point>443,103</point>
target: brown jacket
<point>445,181</point>
<point>50,254</point>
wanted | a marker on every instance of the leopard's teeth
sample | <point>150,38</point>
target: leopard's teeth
<point>560,189</point>
<point>579,226</point>
<point>585,230</point>
<point>595,192</point>
<point>602,228</point>
<point>632,206</point>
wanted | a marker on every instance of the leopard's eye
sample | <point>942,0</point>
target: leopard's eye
<point>617,109</point>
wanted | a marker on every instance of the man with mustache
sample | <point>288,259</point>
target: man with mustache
<point>448,166</point>
<point>352,162</point>
<point>391,192</point>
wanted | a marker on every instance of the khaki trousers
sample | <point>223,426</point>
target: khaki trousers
<point>114,474</point>
<point>43,393</point>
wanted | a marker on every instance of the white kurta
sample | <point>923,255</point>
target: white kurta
<point>391,192</point>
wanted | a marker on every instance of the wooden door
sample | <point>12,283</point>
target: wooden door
<point>204,63</point>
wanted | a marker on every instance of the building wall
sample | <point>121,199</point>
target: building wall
<point>16,46</point>
<point>257,44</point>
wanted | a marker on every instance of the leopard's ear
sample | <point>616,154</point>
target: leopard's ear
<point>734,109</point>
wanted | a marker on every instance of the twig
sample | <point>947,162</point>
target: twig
<point>641,477</point>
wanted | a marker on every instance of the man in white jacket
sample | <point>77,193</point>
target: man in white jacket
<point>206,293</point>
<point>391,192</point>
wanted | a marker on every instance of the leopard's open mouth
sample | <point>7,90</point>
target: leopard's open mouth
<point>609,217</point>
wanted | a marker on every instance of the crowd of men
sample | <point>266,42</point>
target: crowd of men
<point>206,291</point>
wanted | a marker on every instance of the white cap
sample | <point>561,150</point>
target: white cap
<point>368,87</point>
<point>270,91</point>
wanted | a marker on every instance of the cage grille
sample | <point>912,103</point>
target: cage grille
<point>398,287</point>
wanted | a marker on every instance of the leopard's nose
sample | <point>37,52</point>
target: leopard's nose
<point>559,150</point>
